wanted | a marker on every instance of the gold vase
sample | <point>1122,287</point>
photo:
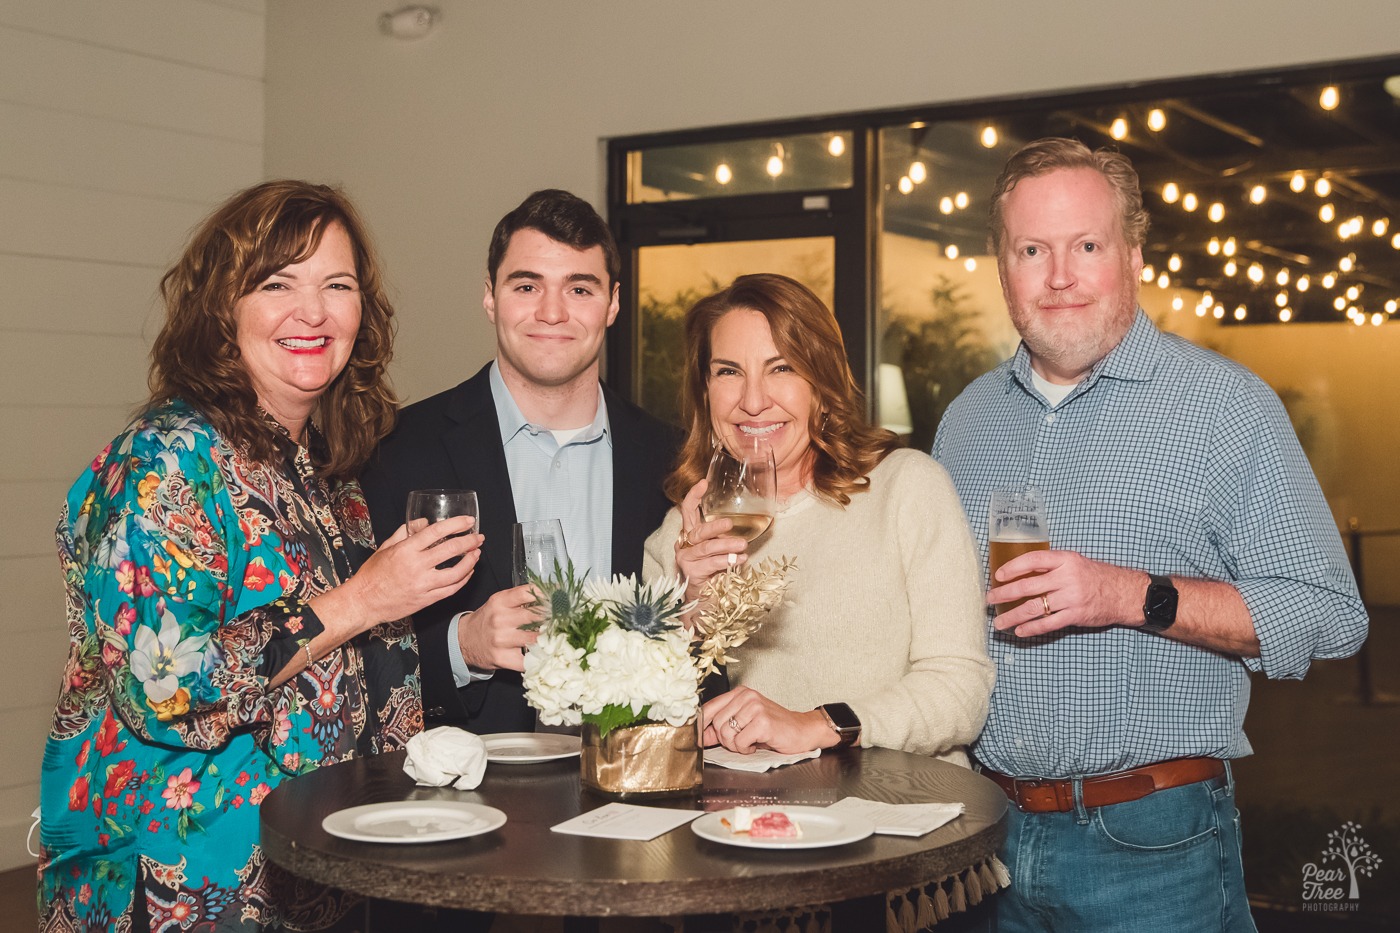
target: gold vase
<point>650,758</point>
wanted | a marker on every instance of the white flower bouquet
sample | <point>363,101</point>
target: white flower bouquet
<point>615,653</point>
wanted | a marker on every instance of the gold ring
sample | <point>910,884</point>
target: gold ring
<point>734,724</point>
<point>1045,601</point>
<point>684,539</point>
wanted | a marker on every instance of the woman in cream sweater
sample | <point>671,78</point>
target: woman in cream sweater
<point>881,639</point>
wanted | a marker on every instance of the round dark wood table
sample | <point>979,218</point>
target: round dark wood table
<point>524,868</point>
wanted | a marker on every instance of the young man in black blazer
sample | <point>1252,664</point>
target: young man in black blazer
<point>537,436</point>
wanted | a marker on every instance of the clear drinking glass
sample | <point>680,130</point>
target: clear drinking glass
<point>538,547</point>
<point>1015,525</point>
<point>742,488</point>
<point>438,504</point>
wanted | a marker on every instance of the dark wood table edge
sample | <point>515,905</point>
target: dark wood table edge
<point>356,869</point>
<point>641,899</point>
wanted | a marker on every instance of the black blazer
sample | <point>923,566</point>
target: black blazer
<point>453,441</point>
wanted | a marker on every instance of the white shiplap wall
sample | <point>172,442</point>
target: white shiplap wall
<point>121,126</point>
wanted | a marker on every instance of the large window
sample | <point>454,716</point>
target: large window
<point>1275,239</point>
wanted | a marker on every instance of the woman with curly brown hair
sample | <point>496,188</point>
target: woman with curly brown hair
<point>881,638</point>
<point>219,642</point>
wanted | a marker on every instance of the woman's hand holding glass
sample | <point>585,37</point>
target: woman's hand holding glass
<point>406,573</point>
<point>722,513</point>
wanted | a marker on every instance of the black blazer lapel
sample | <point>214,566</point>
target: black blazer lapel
<point>474,448</point>
<point>643,450</point>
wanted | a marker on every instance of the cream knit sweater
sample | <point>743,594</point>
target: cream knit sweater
<point>884,613</point>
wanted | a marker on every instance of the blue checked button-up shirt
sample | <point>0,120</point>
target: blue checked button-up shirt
<point>1171,459</point>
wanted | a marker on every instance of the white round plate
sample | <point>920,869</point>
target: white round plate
<point>526,748</point>
<point>820,828</point>
<point>413,821</point>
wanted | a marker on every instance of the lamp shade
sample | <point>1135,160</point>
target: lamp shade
<point>892,399</point>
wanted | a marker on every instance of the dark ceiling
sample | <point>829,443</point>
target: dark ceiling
<point>1218,147</point>
<point>1221,138</point>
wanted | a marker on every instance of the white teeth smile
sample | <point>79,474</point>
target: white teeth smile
<point>759,432</point>
<point>297,343</point>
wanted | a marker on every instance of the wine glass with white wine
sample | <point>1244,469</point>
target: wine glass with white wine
<point>742,488</point>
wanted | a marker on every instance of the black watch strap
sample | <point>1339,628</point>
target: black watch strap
<point>1159,609</point>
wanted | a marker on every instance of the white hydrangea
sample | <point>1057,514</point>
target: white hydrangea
<point>625,668</point>
<point>630,669</point>
<point>552,682</point>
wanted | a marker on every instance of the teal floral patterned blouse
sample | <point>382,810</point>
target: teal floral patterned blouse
<point>187,568</point>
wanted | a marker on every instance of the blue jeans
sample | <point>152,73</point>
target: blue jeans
<point>1167,863</point>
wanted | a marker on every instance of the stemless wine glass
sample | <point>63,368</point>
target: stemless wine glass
<point>1015,526</point>
<point>742,488</point>
<point>538,547</point>
<point>438,504</point>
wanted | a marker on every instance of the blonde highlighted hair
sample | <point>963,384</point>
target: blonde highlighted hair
<point>845,446</point>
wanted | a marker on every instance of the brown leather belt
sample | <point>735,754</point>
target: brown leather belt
<point>1057,796</point>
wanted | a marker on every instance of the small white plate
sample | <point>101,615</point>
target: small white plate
<point>820,828</point>
<point>413,821</point>
<point>525,748</point>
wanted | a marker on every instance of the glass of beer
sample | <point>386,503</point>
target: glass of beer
<point>1015,526</point>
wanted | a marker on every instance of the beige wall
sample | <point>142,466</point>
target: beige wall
<point>121,124</point>
<point>438,138</point>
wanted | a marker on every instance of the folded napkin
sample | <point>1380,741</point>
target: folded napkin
<point>760,760</point>
<point>446,755</point>
<point>900,819</point>
<point>626,821</point>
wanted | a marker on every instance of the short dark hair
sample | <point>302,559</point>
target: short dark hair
<point>1043,156</point>
<point>560,216</point>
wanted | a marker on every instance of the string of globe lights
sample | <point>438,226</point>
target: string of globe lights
<point>1348,300</point>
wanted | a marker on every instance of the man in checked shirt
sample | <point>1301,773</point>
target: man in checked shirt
<point>1190,544</point>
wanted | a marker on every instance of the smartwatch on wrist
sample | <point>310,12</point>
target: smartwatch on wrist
<point>1159,609</point>
<point>843,721</point>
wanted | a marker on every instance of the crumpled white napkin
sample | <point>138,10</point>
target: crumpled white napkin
<point>446,755</point>
<point>760,760</point>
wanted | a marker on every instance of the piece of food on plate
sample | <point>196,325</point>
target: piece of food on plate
<point>771,824</point>
<point>774,825</point>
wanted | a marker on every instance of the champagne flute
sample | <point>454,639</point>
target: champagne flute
<point>538,548</point>
<point>1015,525</point>
<point>438,504</point>
<point>742,488</point>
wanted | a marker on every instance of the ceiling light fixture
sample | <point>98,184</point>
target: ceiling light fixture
<point>410,22</point>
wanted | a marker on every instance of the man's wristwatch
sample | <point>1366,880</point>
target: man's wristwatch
<point>843,721</point>
<point>1159,610</point>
